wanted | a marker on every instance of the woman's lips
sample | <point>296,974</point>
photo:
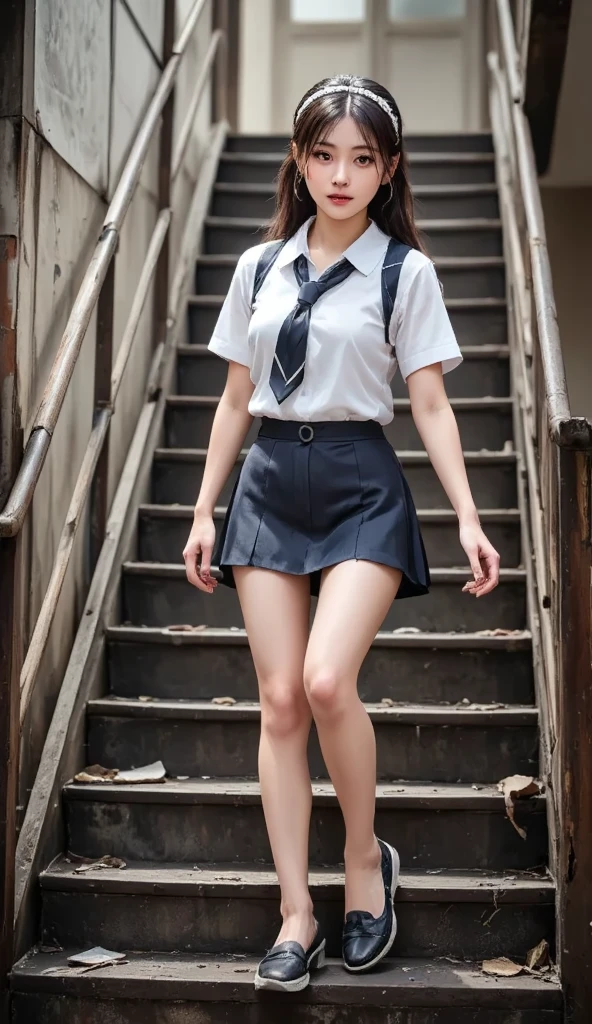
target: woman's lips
<point>340,200</point>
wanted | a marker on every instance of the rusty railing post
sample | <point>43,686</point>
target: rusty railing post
<point>220,79</point>
<point>233,63</point>
<point>575,738</point>
<point>99,497</point>
<point>165,158</point>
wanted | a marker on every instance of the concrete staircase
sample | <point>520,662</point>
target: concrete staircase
<point>198,902</point>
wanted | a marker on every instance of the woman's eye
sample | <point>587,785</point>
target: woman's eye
<point>323,153</point>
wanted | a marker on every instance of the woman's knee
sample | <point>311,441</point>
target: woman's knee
<point>325,690</point>
<point>284,708</point>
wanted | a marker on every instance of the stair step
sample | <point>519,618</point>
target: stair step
<point>482,422</point>
<point>476,322</point>
<point>485,370</point>
<point>439,744</point>
<point>441,142</point>
<point>476,236</point>
<point>230,199</point>
<point>154,988</point>
<point>434,667</point>
<point>163,532</point>
<point>160,595</point>
<point>177,475</point>
<point>425,168</point>
<point>237,910</point>
<point>435,825</point>
<point>462,277</point>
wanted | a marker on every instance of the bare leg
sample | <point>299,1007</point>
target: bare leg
<point>353,601</point>
<point>276,610</point>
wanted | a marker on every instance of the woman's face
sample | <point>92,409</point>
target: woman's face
<point>342,164</point>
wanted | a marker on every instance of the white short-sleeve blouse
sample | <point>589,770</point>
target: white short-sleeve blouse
<point>349,366</point>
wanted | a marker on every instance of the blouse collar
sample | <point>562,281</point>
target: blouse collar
<point>364,253</point>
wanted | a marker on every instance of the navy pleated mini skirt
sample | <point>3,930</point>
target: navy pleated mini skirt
<point>309,495</point>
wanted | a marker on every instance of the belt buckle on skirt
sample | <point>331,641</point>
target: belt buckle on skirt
<point>305,426</point>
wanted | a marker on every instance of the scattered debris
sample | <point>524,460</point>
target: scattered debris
<point>434,871</point>
<point>223,700</point>
<point>155,772</point>
<point>184,627</point>
<point>144,698</point>
<point>87,863</point>
<point>499,631</point>
<point>96,957</point>
<point>388,701</point>
<point>96,773</point>
<point>43,948</point>
<point>482,707</point>
<point>465,700</point>
<point>407,629</point>
<point>474,786</point>
<point>501,967</point>
<point>182,778</point>
<point>538,962</point>
<point>147,773</point>
<point>513,787</point>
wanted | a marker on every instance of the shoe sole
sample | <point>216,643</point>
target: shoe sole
<point>396,865</point>
<point>315,960</point>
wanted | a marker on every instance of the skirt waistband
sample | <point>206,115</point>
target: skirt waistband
<point>320,430</point>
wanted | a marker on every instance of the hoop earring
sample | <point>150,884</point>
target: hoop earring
<point>297,181</point>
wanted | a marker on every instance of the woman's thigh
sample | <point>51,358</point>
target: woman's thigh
<point>276,610</point>
<point>353,601</point>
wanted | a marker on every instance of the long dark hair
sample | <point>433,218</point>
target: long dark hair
<point>392,206</point>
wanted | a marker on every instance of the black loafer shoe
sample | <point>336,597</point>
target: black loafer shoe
<point>287,966</point>
<point>367,939</point>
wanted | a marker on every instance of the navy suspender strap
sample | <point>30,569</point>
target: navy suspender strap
<point>391,270</point>
<point>264,265</point>
<point>389,279</point>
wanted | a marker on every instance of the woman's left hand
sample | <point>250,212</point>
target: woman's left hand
<point>483,558</point>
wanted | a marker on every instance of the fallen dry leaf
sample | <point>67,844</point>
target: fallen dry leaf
<point>501,967</point>
<point>96,773</point>
<point>538,956</point>
<point>223,700</point>
<point>515,786</point>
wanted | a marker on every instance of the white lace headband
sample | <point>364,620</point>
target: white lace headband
<point>382,103</point>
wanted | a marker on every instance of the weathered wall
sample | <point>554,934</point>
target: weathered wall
<point>92,69</point>
<point>568,219</point>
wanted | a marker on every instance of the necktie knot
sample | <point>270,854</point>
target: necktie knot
<point>308,293</point>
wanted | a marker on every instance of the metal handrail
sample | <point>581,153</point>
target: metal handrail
<point>558,409</point>
<point>23,489</point>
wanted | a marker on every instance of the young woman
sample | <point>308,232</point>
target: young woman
<point>321,505</point>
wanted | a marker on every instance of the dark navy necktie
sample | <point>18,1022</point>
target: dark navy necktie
<point>287,369</point>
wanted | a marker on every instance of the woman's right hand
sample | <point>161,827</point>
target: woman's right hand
<point>200,542</point>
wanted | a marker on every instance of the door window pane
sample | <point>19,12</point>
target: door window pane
<point>425,10</point>
<point>327,10</point>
